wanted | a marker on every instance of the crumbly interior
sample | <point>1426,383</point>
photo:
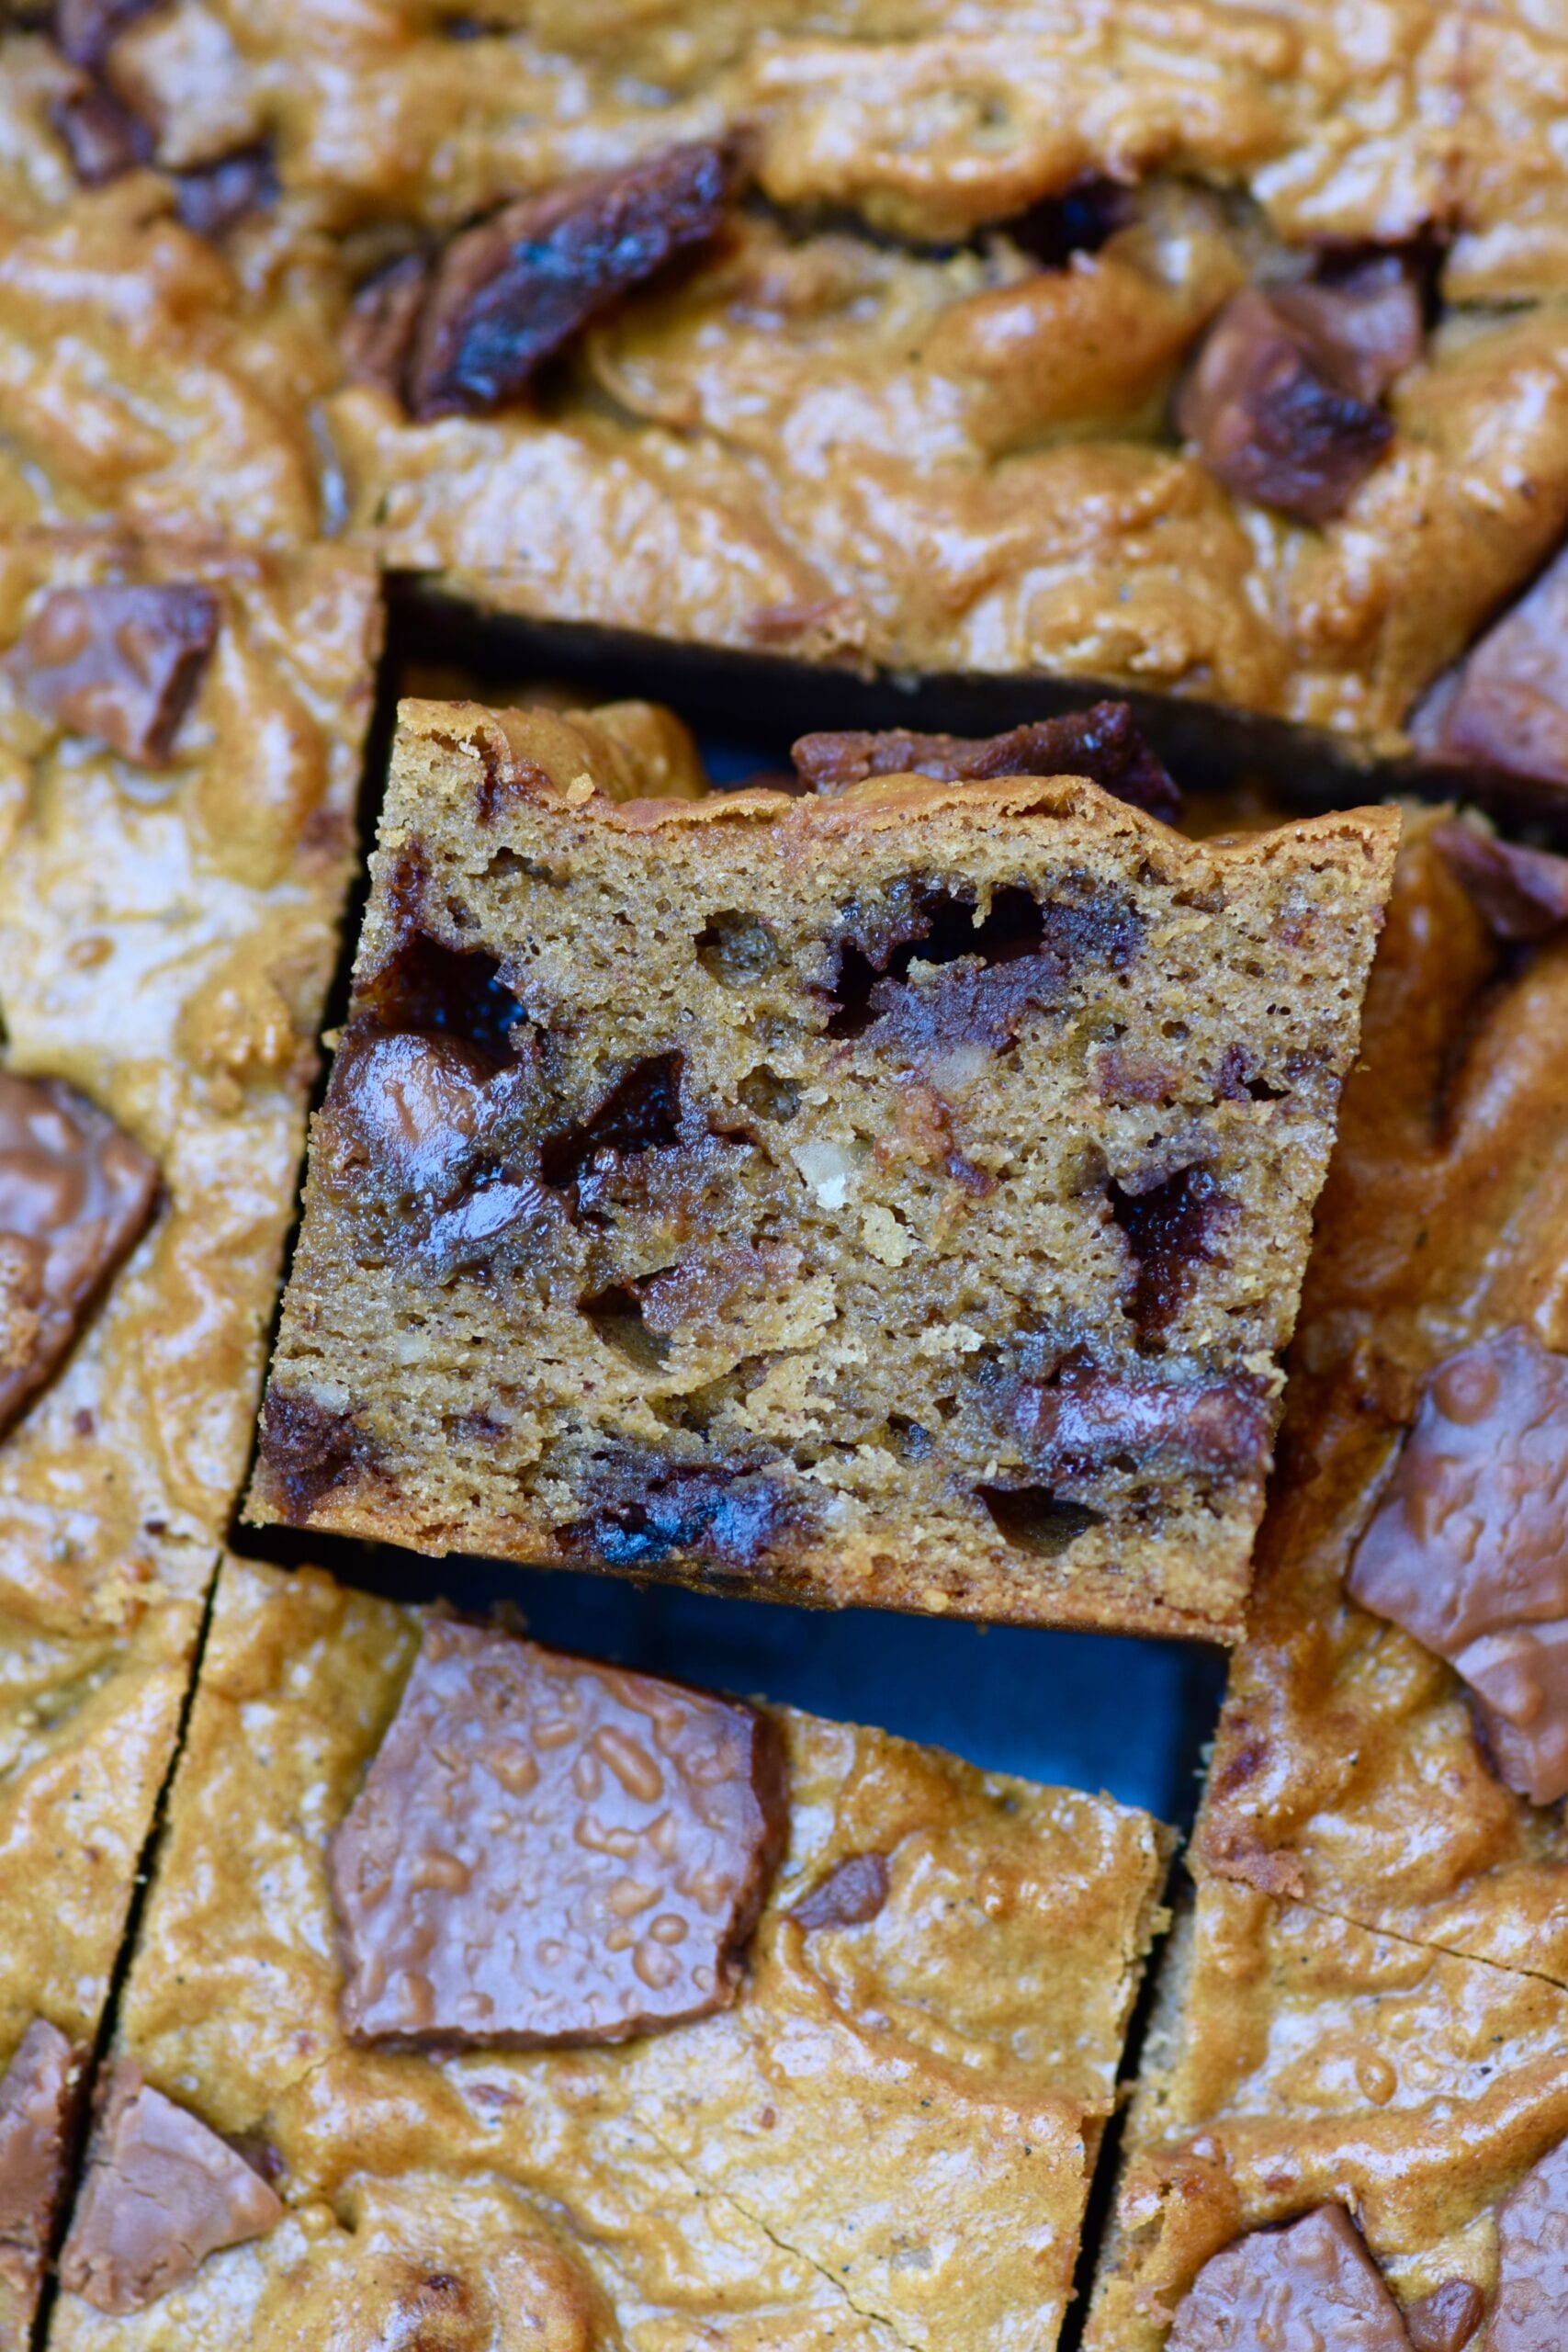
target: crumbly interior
<point>886,2142</point>
<point>880,1149</point>
<point>1296,2059</point>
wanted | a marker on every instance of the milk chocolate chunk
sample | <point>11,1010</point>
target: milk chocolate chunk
<point>40,2094</point>
<point>1085,1419</point>
<point>1271,406</point>
<point>548,1850</point>
<point>1445,2320</point>
<point>75,1195</point>
<point>1310,2287</point>
<point>1468,1550</point>
<point>161,2192</point>
<point>102,137</point>
<point>1507,707</point>
<point>505,296</point>
<point>1531,2314</point>
<point>852,1892</point>
<point>1523,893</point>
<point>1102,744</point>
<point>121,664</point>
<point>1366,324</point>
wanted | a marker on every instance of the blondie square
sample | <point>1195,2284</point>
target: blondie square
<point>895,1196</point>
<point>711,2021</point>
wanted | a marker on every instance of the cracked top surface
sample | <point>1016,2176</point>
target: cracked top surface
<point>719,2174</point>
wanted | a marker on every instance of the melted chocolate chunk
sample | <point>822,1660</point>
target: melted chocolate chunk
<point>506,296</point>
<point>1170,1230</point>
<point>1079,222</point>
<point>102,137</point>
<point>121,664</point>
<point>1468,1551</point>
<point>1523,893</point>
<point>1102,744</point>
<point>1531,2311</point>
<point>1310,2287</point>
<point>1084,1419</point>
<point>640,1112</point>
<point>76,1196</point>
<point>415,1106</point>
<point>41,2096</point>
<point>1365,322</point>
<point>1506,708</point>
<point>308,1448</point>
<point>210,198</point>
<point>1034,1518</point>
<point>548,1850</point>
<point>428,989</point>
<point>732,1517</point>
<point>1269,407</point>
<point>1445,2320</point>
<point>852,1892</point>
<point>161,2192</point>
<point>85,31</point>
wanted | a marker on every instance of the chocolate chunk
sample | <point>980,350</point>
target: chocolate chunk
<point>308,1448</point>
<point>1270,407</point>
<point>1102,744</point>
<point>1170,1228</point>
<point>76,1196</point>
<point>1085,1420</point>
<point>415,1106</point>
<point>85,31</point>
<point>1445,2320</point>
<point>210,198</point>
<point>1469,1548</point>
<point>853,1891</point>
<point>427,985</point>
<point>40,2098</point>
<point>1523,893</point>
<point>1034,1518</point>
<point>640,1112</point>
<point>1310,2287</point>
<point>121,664</point>
<point>382,322</point>
<point>505,296</point>
<point>1507,707</point>
<point>1531,2314</point>
<point>161,2192</point>
<point>548,1850</point>
<point>102,137</point>
<point>1366,323</point>
<point>733,1516</point>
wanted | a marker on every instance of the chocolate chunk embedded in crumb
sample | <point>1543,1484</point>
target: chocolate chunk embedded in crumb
<point>1269,407</point>
<point>1445,2320</point>
<point>1087,1418</point>
<point>1531,2314</point>
<point>121,664</point>
<point>548,1850</point>
<point>75,1195</point>
<point>505,296</point>
<point>1523,893</point>
<point>852,1892</point>
<point>39,2095</point>
<point>1310,2287</point>
<point>1102,744</point>
<point>161,2192</point>
<point>1468,1550</point>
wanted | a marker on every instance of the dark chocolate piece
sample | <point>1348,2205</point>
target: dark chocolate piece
<point>732,1517</point>
<point>161,2192</point>
<point>1085,1419</point>
<point>1102,744</point>
<point>121,664</point>
<point>380,325</point>
<point>75,1195</point>
<point>85,31</point>
<point>1531,2314</point>
<point>1310,2287</point>
<point>102,137</point>
<point>1269,407</point>
<point>1507,707</point>
<point>1523,893</point>
<point>308,1449</point>
<point>1170,1228</point>
<point>212,197</point>
<point>40,2098</point>
<point>548,1850</point>
<point>1366,324</point>
<point>415,1105</point>
<point>505,296</point>
<point>1469,1548</point>
<point>1445,2320</point>
<point>852,1892</point>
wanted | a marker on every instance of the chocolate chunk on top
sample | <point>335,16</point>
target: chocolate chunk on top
<point>852,1892</point>
<point>548,1850</point>
<point>472,327</point>
<point>161,2192</point>
<point>1310,2287</point>
<point>1523,893</point>
<point>1102,744</point>
<point>1445,2320</point>
<point>1469,1548</point>
<point>85,31</point>
<point>1507,707</point>
<point>121,664</point>
<point>75,1195</point>
<point>40,2094</point>
<point>1271,406</point>
<point>1531,2314</point>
